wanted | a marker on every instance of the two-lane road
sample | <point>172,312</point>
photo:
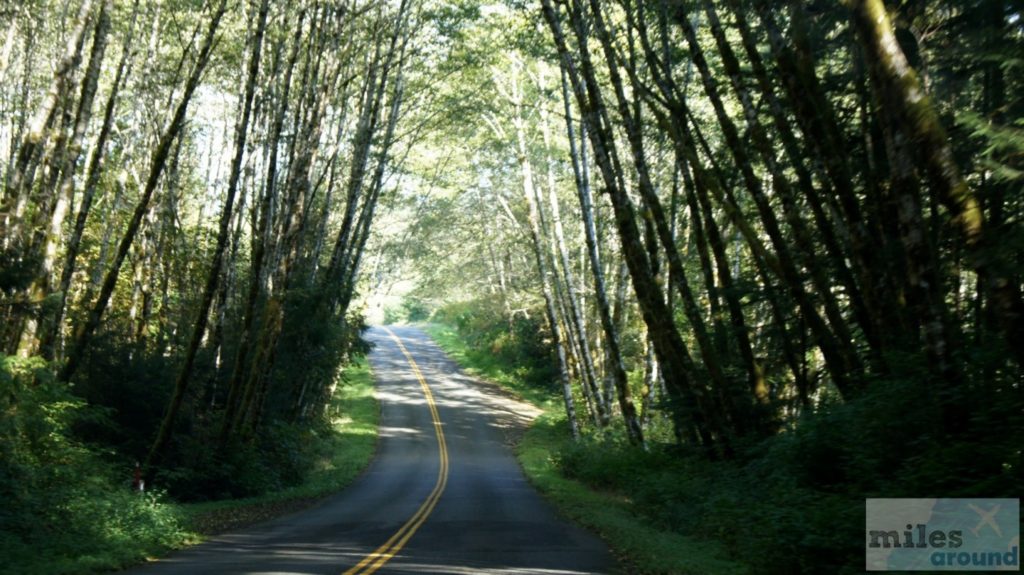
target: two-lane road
<point>444,493</point>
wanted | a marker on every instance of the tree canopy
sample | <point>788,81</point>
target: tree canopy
<point>737,232</point>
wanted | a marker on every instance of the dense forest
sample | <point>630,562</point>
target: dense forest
<point>188,188</point>
<point>767,254</point>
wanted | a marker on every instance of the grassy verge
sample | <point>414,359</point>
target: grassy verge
<point>483,364</point>
<point>642,546</point>
<point>345,453</point>
<point>128,529</point>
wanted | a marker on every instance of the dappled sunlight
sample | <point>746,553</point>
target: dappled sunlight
<point>485,517</point>
<point>387,431</point>
<point>400,398</point>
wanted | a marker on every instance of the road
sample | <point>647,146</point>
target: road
<point>444,493</point>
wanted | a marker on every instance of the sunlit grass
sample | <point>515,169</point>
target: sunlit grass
<point>640,546</point>
<point>355,413</point>
<point>481,363</point>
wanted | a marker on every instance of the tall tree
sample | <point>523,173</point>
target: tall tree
<point>214,275</point>
<point>157,165</point>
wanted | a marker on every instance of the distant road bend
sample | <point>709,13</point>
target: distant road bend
<point>443,495</point>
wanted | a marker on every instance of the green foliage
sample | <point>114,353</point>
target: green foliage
<point>339,453</point>
<point>16,272</point>
<point>517,346</point>
<point>69,508</point>
<point>277,458</point>
<point>410,310</point>
<point>64,502</point>
<point>288,445</point>
<point>793,503</point>
<point>129,388</point>
<point>644,546</point>
<point>796,501</point>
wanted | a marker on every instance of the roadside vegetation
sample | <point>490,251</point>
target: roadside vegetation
<point>186,192</point>
<point>600,494</point>
<point>765,257</point>
<point>789,504</point>
<point>69,506</point>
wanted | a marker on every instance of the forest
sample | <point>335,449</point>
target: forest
<point>763,259</point>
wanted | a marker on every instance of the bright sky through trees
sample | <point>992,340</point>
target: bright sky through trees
<point>719,234</point>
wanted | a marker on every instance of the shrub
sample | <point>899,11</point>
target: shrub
<point>520,344</point>
<point>63,500</point>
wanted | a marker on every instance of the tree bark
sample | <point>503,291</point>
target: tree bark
<point>841,360</point>
<point>30,149</point>
<point>913,123</point>
<point>571,292</point>
<point>157,164</point>
<point>690,399</point>
<point>182,381</point>
<point>261,242</point>
<point>615,365</point>
<point>41,287</point>
<point>558,340</point>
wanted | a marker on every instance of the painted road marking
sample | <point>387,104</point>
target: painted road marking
<point>392,546</point>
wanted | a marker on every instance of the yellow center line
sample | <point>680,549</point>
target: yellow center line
<point>392,546</point>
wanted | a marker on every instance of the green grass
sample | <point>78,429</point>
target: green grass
<point>483,364</point>
<point>129,528</point>
<point>640,545</point>
<point>345,454</point>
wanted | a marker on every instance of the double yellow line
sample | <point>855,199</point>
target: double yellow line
<point>392,546</point>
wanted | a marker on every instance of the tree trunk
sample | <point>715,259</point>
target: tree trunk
<point>181,383</point>
<point>912,121</point>
<point>865,318</point>
<point>615,365</point>
<point>690,399</point>
<point>157,164</point>
<point>841,360</point>
<point>530,195</point>
<point>654,216</point>
<point>261,243</point>
<point>30,149</point>
<point>572,295</point>
<point>41,287</point>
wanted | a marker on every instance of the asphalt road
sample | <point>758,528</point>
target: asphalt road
<point>444,493</point>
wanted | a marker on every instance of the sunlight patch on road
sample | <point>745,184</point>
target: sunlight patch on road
<point>471,570</point>
<point>374,561</point>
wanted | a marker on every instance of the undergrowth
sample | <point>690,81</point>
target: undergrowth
<point>790,504</point>
<point>522,363</point>
<point>68,506</point>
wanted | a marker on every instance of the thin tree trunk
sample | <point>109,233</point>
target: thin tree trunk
<point>655,216</point>
<point>530,195</point>
<point>41,286</point>
<point>617,368</point>
<point>841,360</point>
<point>677,366</point>
<point>157,164</point>
<point>210,290</point>
<point>19,181</point>
<point>261,241</point>
<point>576,312</point>
<point>911,118</point>
<point>865,318</point>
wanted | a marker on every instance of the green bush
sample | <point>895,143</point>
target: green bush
<point>63,500</point>
<point>520,345</point>
<point>795,502</point>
